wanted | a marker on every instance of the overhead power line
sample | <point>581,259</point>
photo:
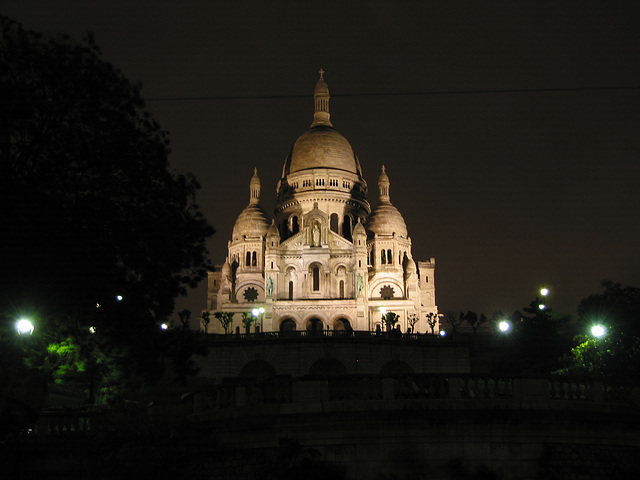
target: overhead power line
<point>392,94</point>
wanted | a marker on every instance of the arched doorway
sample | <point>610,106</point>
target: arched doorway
<point>315,326</point>
<point>287,325</point>
<point>342,325</point>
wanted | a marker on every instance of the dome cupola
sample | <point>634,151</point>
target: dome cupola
<point>253,221</point>
<point>385,218</point>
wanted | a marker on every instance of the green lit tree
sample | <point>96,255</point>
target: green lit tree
<point>615,357</point>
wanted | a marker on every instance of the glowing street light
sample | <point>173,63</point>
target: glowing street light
<point>164,326</point>
<point>544,291</point>
<point>24,326</point>
<point>443,333</point>
<point>257,314</point>
<point>504,326</point>
<point>598,331</point>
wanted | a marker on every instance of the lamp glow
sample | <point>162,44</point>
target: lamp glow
<point>544,292</point>
<point>24,326</point>
<point>443,333</point>
<point>598,331</point>
<point>504,326</point>
<point>164,326</point>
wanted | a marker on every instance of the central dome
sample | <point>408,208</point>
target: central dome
<point>322,147</point>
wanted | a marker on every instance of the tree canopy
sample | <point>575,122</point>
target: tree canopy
<point>91,208</point>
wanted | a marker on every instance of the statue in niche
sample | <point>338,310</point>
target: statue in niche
<point>359,284</point>
<point>269,287</point>
<point>316,235</point>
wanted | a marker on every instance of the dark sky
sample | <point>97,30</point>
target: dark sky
<point>527,176</point>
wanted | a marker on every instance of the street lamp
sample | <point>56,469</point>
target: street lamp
<point>598,331</point>
<point>24,326</point>
<point>258,312</point>
<point>504,326</point>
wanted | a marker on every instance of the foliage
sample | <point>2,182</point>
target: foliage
<point>614,358</point>
<point>390,319</point>
<point>432,320</point>
<point>225,319</point>
<point>412,319</point>
<point>87,166</point>
<point>617,307</point>
<point>206,320</point>
<point>247,320</point>
<point>454,321</point>
<point>474,320</point>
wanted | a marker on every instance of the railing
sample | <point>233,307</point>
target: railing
<point>419,387</point>
<point>315,334</point>
<point>512,392</point>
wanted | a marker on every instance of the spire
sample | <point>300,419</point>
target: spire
<point>321,96</point>
<point>254,187</point>
<point>383,185</point>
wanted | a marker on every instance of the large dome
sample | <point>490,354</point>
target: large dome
<point>322,147</point>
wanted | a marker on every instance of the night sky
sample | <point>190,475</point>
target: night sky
<point>510,130</point>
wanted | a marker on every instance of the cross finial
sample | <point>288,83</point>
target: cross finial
<point>321,72</point>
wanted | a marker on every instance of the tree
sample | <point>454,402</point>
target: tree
<point>390,319</point>
<point>412,319</point>
<point>247,320</point>
<point>475,321</point>
<point>99,231</point>
<point>454,321</point>
<point>206,320</point>
<point>614,358</point>
<point>225,319</point>
<point>432,320</point>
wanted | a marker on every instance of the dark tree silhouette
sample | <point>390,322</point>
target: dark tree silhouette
<point>91,209</point>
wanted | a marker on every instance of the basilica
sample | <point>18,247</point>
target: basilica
<point>326,261</point>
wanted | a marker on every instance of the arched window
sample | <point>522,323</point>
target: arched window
<point>334,222</point>
<point>290,290</point>
<point>248,262</point>
<point>383,257</point>
<point>346,227</point>
<point>389,257</point>
<point>341,288</point>
<point>254,259</point>
<point>316,279</point>
<point>295,228</point>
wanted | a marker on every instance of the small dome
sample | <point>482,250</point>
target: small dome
<point>386,219</point>
<point>253,221</point>
<point>273,230</point>
<point>359,229</point>
<point>321,147</point>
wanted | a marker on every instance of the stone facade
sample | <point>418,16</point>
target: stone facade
<point>326,261</point>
